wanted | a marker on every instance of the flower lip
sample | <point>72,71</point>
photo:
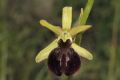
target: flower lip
<point>63,59</point>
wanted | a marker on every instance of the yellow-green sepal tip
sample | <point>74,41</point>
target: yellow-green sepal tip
<point>67,18</point>
<point>82,52</point>
<point>55,29</point>
<point>75,30</point>
<point>43,54</point>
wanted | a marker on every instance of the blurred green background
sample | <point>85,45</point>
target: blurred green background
<point>22,37</point>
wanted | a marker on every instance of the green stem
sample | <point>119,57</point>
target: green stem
<point>113,48</point>
<point>86,12</point>
<point>3,64</point>
<point>82,20</point>
<point>3,42</point>
<point>3,52</point>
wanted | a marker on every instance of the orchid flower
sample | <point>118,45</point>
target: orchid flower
<point>64,33</point>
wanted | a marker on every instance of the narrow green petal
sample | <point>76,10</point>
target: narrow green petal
<point>78,29</point>
<point>81,13</point>
<point>82,52</point>
<point>79,18</point>
<point>43,54</point>
<point>67,17</point>
<point>55,29</point>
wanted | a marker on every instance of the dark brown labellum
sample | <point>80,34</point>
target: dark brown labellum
<point>63,59</point>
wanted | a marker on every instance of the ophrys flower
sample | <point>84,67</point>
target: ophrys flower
<point>63,53</point>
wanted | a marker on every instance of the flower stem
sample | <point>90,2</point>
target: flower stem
<point>83,18</point>
<point>113,48</point>
<point>3,41</point>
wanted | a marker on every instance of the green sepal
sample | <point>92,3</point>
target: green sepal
<point>43,54</point>
<point>66,18</point>
<point>82,51</point>
<point>75,30</point>
<point>56,29</point>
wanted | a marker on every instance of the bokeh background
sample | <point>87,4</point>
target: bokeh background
<point>22,37</point>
